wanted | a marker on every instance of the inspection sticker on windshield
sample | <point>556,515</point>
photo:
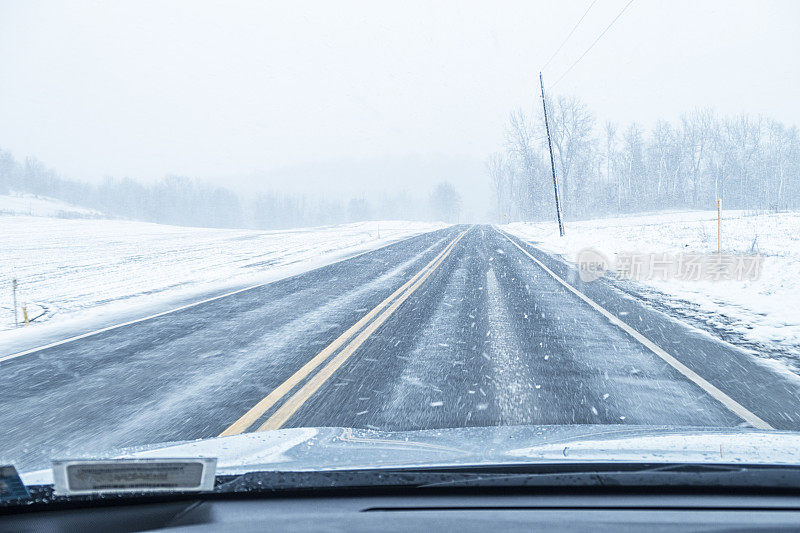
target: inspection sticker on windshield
<point>87,476</point>
<point>11,486</point>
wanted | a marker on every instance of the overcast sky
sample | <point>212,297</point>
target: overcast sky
<point>248,93</point>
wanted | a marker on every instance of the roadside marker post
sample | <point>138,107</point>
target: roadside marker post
<point>14,293</point>
<point>719,224</point>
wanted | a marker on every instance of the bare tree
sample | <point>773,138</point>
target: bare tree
<point>743,136</point>
<point>633,165</point>
<point>496,168</point>
<point>523,147</point>
<point>781,151</point>
<point>445,202</point>
<point>611,146</point>
<point>571,132</point>
<point>697,130</point>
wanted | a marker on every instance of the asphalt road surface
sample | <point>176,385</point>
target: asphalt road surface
<point>461,327</point>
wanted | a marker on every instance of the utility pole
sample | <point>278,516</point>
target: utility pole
<point>552,164</point>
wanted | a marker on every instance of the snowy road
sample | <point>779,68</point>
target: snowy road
<point>451,328</point>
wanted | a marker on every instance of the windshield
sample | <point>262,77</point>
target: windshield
<point>320,235</point>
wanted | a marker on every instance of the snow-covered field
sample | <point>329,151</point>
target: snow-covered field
<point>763,313</point>
<point>76,269</point>
<point>38,206</point>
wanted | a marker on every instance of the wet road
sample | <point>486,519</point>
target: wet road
<point>461,327</point>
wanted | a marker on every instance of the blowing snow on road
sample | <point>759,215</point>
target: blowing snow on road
<point>463,326</point>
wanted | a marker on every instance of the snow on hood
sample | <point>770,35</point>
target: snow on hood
<point>345,448</point>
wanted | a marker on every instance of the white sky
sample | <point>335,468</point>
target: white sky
<point>256,94</point>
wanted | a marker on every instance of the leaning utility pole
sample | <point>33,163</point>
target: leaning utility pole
<point>552,164</point>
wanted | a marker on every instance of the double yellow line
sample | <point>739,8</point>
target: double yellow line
<point>361,330</point>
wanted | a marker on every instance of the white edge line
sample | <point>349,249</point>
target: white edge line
<point>193,304</point>
<point>732,405</point>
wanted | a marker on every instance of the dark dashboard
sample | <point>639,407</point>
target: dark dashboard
<point>435,511</point>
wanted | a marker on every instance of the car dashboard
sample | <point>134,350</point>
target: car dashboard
<point>463,511</point>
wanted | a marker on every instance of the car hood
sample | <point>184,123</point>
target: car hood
<point>313,449</point>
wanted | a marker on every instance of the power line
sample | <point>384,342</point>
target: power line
<point>592,45</point>
<point>568,36</point>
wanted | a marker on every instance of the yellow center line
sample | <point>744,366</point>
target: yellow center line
<point>282,415</point>
<point>251,416</point>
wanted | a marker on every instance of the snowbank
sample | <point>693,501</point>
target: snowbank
<point>763,313</point>
<point>75,269</point>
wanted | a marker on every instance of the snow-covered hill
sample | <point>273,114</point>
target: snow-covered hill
<point>42,206</point>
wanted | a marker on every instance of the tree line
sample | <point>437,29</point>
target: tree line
<point>184,201</point>
<point>749,162</point>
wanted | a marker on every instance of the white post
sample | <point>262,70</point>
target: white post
<point>14,292</point>
<point>719,224</point>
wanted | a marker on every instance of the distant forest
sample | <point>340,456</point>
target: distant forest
<point>749,162</point>
<point>183,201</point>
